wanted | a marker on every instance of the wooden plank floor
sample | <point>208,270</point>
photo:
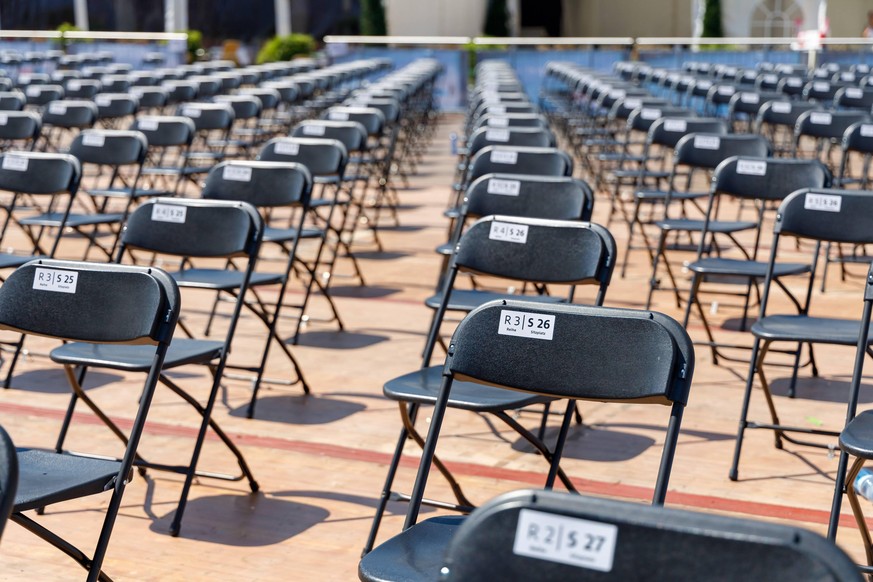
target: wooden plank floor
<point>320,459</point>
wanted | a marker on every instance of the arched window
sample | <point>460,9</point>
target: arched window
<point>776,18</point>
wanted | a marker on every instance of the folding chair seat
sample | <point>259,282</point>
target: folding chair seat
<point>190,230</point>
<point>506,540</point>
<point>764,181</point>
<point>82,88</point>
<point>534,251</point>
<point>776,121</point>
<point>113,109</point>
<point>39,95</point>
<point>825,130</point>
<point>82,303</point>
<point>819,216</point>
<point>326,161</point>
<point>12,100</point>
<point>8,477</point>
<point>19,130</point>
<point>273,187</point>
<point>697,152</point>
<point>650,360</point>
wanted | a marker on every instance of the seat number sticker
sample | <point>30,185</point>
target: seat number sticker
<point>497,135</point>
<point>285,148</point>
<point>854,93</point>
<point>675,125</point>
<point>169,213</point>
<point>726,90</point>
<point>338,116</point>
<point>313,130</point>
<point>649,113</point>
<point>504,187</point>
<point>750,98</point>
<point>497,109</point>
<point>521,324</point>
<point>866,130</point>
<point>752,167</point>
<point>566,540</point>
<point>57,108</point>
<point>707,142</point>
<point>191,112</point>
<point>632,103</point>
<point>504,157</point>
<point>55,280</point>
<point>506,231</point>
<point>148,124</point>
<point>820,118</point>
<point>237,173</point>
<point>74,85</point>
<point>824,202</point>
<point>103,101</point>
<point>498,122</point>
<point>4,119</point>
<point>93,140</point>
<point>15,163</point>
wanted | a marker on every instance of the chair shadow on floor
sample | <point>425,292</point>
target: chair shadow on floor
<point>588,443</point>
<point>340,340</point>
<point>303,409</point>
<point>54,381</point>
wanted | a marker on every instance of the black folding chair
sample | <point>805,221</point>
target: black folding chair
<point>8,477</point>
<point>552,537</point>
<point>559,351</point>
<point>272,187</point>
<point>19,130</point>
<point>764,181</point>
<point>188,229</point>
<point>534,251</point>
<point>819,216</point>
<point>856,439</point>
<point>169,139</point>
<point>80,302</point>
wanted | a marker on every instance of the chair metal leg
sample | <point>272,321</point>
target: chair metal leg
<point>754,362</point>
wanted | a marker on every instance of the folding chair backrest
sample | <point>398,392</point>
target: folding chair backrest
<point>268,96</point>
<point>244,106</point>
<point>539,250</point>
<point>514,120</point>
<point>208,116</point>
<point>827,124</point>
<point>90,302</point>
<point>165,131</point>
<point>372,119</point>
<point>151,97</point>
<point>760,178</point>
<point>322,157</point>
<point>109,147</point>
<point>12,100</point>
<point>351,134</point>
<point>643,117</point>
<point>180,91</point>
<point>516,536</point>
<point>858,138</point>
<point>18,125</point>
<point>8,477</point>
<point>555,197</point>
<point>784,113</point>
<point>854,98</point>
<point>827,215</point>
<point>705,150</point>
<point>70,113</point>
<point>667,131</point>
<point>194,228</point>
<point>42,94</point>
<point>521,160</point>
<point>39,173</point>
<point>262,184</point>
<point>539,137</point>
<point>113,105</point>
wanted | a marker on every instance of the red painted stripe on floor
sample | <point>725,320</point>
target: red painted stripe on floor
<point>531,478</point>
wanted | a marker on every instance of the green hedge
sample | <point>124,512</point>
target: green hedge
<point>284,48</point>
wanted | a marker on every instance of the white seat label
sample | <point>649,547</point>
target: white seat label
<point>313,130</point>
<point>854,93</point>
<point>74,85</point>
<point>675,125</point>
<point>498,122</point>
<point>169,213</point>
<point>505,231</point>
<point>522,324</point>
<point>707,142</point>
<point>566,540</point>
<point>15,163</point>
<point>103,101</point>
<point>56,108</point>
<point>497,135</point>
<point>338,116</point>
<point>820,118</point>
<point>32,91</point>
<point>287,148</point>
<point>504,157</point>
<point>823,202</point>
<point>781,107</point>
<point>866,130</point>
<point>148,124</point>
<point>726,90</point>
<point>55,280</point>
<point>504,187</point>
<point>821,86</point>
<point>752,167</point>
<point>650,113</point>
<point>750,98</point>
<point>4,118</point>
<point>632,103</point>
<point>497,109</point>
<point>191,112</point>
<point>93,140</point>
<point>793,82</point>
<point>237,173</point>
